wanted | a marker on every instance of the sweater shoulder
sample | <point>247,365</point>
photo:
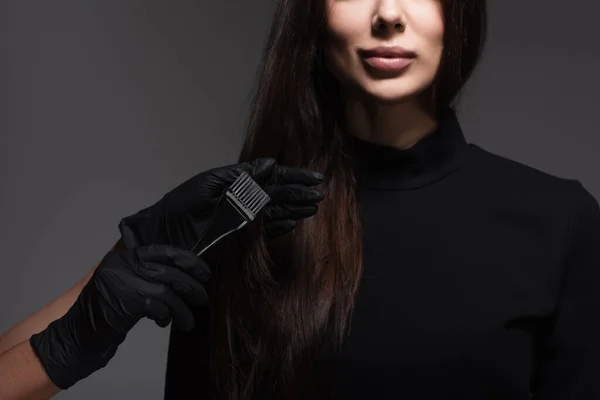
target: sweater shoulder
<point>500,166</point>
<point>510,178</point>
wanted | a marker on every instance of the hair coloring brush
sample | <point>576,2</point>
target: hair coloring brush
<point>238,205</point>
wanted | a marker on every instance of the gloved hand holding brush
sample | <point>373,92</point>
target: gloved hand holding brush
<point>183,214</point>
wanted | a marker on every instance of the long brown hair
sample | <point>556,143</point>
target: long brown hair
<point>281,309</point>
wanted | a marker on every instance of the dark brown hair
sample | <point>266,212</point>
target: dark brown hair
<point>281,309</point>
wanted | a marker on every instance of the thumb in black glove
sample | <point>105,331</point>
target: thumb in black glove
<point>159,282</point>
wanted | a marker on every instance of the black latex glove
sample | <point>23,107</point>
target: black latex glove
<point>181,216</point>
<point>159,282</point>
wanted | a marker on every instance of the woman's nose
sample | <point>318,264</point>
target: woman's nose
<point>388,16</point>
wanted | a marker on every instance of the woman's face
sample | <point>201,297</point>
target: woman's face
<point>387,49</point>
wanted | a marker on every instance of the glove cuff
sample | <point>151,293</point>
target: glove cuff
<point>42,344</point>
<point>63,360</point>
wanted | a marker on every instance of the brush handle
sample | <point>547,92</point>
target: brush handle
<point>227,218</point>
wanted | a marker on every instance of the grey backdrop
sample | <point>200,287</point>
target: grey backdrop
<point>106,105</point>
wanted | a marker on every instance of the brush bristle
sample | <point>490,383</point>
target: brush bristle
<point>249,193</point>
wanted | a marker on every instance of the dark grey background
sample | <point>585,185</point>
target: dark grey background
<point>106,105</point>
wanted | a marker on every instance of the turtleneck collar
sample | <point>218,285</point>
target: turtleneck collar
<point>433,157</point>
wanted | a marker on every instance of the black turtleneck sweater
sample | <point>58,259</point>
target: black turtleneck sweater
<point>481,280</point>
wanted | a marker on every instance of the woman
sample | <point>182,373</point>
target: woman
<point>433,268</point>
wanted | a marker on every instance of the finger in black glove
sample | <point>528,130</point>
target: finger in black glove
<point>293,197</point>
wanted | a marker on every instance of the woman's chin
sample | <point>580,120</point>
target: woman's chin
<point>387,90</point>
<point>389,95</point>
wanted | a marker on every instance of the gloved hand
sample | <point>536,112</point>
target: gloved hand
<point>158,282</point>
<point>181,216</point>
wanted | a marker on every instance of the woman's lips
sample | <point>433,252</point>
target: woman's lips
<point>386,64</point>
<point>387,58</point>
